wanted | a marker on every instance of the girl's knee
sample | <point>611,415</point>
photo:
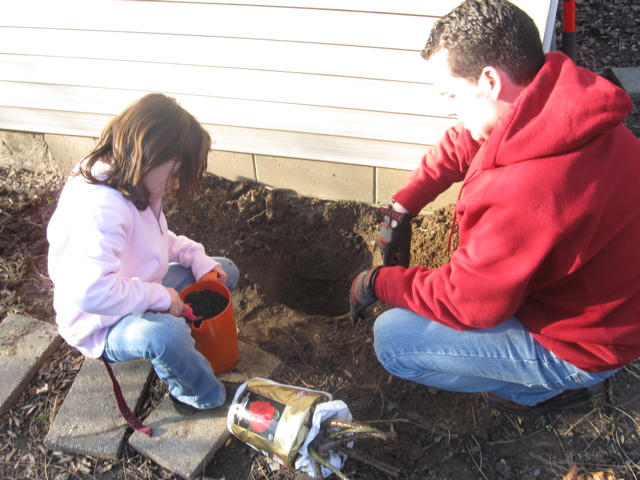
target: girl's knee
<point>232,271</point>
<point>167,332</point>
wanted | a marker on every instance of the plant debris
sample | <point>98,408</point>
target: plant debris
<point>339,435</point>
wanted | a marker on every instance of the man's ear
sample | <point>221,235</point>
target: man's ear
<point>497,85</point>
<point>491,82</point>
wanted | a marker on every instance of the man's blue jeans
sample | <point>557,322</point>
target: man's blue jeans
<point>166,340</point>
<point>505,360</point>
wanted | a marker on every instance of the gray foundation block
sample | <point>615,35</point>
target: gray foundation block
<point>186,444</point>
<point>25,344</point>
<point>628,78</point>
<point>89,422</point>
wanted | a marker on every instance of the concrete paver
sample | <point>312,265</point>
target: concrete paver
<point>186,444</point>
<point>628,78</point>
<point>25,344</point>
<point>89,422</point>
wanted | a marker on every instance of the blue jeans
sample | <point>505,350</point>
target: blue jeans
<point>166,340</point>
<point>505,360</point>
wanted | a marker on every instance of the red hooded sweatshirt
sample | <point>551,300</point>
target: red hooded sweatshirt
<point>549,222</point>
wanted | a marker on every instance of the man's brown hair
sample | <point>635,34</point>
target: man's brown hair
<point>481,33</point>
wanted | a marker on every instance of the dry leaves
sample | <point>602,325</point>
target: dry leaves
<point>576,474</point>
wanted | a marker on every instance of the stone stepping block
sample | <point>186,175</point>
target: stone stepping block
<point>25,344</point>
<point>89,422</point>
<point>185,445</point>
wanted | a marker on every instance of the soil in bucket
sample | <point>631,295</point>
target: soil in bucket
<point>206,304</point>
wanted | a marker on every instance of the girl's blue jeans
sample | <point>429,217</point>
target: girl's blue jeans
<point>166,341</point>
<point>505,360</point>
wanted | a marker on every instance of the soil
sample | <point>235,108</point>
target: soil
<point>206,304</point>
<point>298,256</point>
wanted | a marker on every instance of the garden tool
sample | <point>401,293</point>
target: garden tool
<point>569,29</point>
<point>188,315</point>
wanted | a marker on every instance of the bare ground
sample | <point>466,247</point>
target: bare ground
<point>298,256</point>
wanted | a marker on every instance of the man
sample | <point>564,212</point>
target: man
<point>541,299</point>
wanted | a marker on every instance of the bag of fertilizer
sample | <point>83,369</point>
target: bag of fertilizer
<point>274,419</point>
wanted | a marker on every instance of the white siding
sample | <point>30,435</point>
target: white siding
<point>333,80</point>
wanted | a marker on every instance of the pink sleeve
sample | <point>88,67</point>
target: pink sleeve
<point>190,254</point>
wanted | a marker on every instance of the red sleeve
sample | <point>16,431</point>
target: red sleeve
<point>444,164</point>
<point>488,276</point>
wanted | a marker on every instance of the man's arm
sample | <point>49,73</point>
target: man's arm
<point>446,163</point>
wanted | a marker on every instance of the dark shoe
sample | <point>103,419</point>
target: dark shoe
<point>186,409</point>
<point>231,388</point>
<point>568,398</point>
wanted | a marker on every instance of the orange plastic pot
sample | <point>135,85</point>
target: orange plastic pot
<point>216,337</point>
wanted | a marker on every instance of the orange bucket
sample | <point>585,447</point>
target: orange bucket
<point>216,337</point>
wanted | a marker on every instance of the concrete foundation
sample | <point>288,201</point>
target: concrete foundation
<point>333,181</point>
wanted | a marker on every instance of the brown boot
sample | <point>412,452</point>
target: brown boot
<point>566,399</point>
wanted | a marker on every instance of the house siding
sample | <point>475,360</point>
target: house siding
<point>295,83</point>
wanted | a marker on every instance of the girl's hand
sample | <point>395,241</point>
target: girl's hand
<point>177,305</point>
<point>222,275</point>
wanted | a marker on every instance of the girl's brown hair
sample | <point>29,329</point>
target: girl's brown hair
<point>151,131</point>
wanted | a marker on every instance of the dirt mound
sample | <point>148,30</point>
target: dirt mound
<point>301,252</point>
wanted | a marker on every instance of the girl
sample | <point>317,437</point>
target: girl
<point>116,267</point>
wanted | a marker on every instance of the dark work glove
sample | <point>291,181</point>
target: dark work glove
<point>395,243</point>
<point>363,293</point>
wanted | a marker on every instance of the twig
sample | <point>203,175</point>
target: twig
<point>256,216</point>
<point>343,432</point>
<point>579,421</point>
<point>364,433</point>
<point>295,342</point>
<point>375,391</point>
<point>447,433</point>
<point>514,440</point>
<point>473,412</point>
<point>618,409</point>
<point>564,451</point>
<point>553,465</point>
<point>317,469</point>
<point>328,445</point>
<point>478,465</point>
<point>348,428</point>
<point>356,426</point>
<point>298,377</point>
<point>371,461</point>
<point>344,316</point>
<point>326,464</point>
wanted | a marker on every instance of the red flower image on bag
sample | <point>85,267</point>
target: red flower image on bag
<point>261,416</point>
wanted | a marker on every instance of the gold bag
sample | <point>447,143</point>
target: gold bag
<point>273,418</point>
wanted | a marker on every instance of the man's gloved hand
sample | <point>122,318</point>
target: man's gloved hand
<point>395,242</point>
<point>363,293</point>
